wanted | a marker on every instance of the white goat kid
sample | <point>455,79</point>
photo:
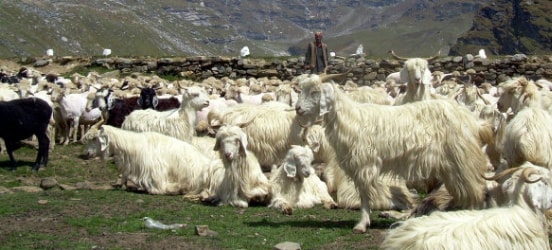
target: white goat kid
<point>416,141</point>
<point>295,184</point>
<point>243,179</point>
<point>73,112</point>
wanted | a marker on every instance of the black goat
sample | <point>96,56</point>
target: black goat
<point>118,109</point>
<point>21,119</point>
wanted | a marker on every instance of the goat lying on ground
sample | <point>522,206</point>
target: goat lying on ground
<point>294,183</point>
<point>519,225</point>
<point>243,179</point>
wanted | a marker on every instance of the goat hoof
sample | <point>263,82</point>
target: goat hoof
<point>287,211</point>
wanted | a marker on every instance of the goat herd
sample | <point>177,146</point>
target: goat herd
<point>480,151</point>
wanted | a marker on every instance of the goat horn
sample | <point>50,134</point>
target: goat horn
<point>501,174</point>
<point>528,172</point>
<point>101,121</point>
<point>245,124</point>
<point>326,78</point>
<point>484,100</point>
<point>458,92</point>
<point>429,59</point>
<point>397,57</point>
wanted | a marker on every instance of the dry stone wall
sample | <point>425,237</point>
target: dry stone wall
<point>364,71</point>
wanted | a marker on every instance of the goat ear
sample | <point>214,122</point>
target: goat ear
<point>155,101</point>
<point>427,78</point>
<point>327,96</point>
<point>290,169</point>
<point>217,145</point>
<point>104,140</point>
<point>294,97</point>
<point>539,195</point>
<point>243,145</point>
<point>404,75</point>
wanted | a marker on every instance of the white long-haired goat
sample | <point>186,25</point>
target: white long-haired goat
<point>519,225</point>
<point>295,185</point>
<point>270,130</point>
<point>527,136</point>
<point>154,162</point>
<point>178,123</point>
<point>243,179</point>
<point>430,139</point>
<point>417,77</point>
<point>393,196</point>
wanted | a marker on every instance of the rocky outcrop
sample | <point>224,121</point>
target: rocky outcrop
<point>507,27</point>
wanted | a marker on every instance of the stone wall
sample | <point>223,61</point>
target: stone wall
<point>364,71</point>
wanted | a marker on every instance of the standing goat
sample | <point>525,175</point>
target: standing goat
<point>417,77</point>
<point>430,139</point>
<point>21,119</point>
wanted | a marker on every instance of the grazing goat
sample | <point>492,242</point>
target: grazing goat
<point>295,184</point>
<point>415,141</point>
<point>518,225</point>
<point>21,119</point>
<point>243,179</point>
<point>178,123</point>
<point>156,163</point>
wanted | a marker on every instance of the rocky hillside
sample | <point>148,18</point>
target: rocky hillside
<point>222,27</point>
<point>507,27</point>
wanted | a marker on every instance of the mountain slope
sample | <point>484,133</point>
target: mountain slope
<point>223,27</point>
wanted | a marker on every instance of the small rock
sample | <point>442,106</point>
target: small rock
<point>287,246</point>
<point>5,190</point>
<point>48,183</point>
<point>83,185</point>
<point>203,230</point>
<point>41,63</point>
<point>66,187</point>
<point>519,58</point>
<point>28,189</point>
<point>42,202</point>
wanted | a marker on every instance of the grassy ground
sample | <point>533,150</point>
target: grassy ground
<point>96,216</point>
